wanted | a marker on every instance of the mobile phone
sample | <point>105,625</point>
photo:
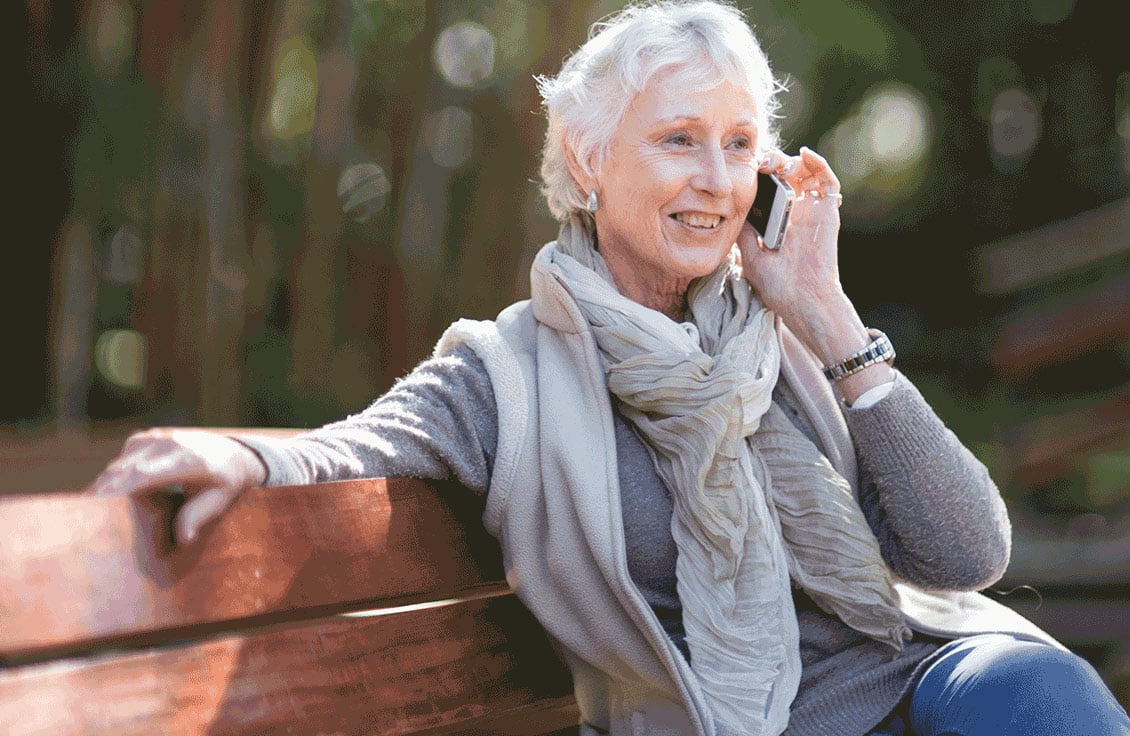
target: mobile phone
<point>771,208</point>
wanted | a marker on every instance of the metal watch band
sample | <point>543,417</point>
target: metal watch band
<point>880,350</point>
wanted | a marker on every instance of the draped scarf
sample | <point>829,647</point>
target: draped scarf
<point>755,502</point>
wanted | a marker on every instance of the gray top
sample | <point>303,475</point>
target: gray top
<point>924,495</point>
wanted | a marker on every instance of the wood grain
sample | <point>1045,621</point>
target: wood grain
<point>80,573</point>
<point>475,666</point>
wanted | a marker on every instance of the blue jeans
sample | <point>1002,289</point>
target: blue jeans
<point>1001,685</point>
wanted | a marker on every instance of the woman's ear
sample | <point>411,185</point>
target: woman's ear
<point>586,182</point>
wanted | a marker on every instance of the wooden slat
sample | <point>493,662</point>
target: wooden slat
<point>1037,255</point>
<point>77,570</point>
<point>1056,332</point>
<point>1047,448</point>
<point>434,670</point>
<point>1051,556</point>
<point>544,719</point>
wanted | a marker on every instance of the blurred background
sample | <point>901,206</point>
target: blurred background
<point>263,213</point>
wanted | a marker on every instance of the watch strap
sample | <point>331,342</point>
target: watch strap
<point>879,350</point>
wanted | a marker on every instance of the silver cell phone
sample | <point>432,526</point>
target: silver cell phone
<point>771,209</point>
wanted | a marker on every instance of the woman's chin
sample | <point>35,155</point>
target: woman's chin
<point>699,238</point>
<point>700,256</point>
<point>690,265</point>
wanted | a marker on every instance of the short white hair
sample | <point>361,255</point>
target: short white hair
<point>589,97</point>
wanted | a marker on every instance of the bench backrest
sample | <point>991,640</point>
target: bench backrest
<point>374,607</point>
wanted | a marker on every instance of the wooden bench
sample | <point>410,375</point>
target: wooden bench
<point>359,607</point>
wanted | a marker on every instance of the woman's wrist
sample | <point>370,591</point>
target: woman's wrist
<point>833,331</point>
<point>830,328</point>
<point>858,383</point>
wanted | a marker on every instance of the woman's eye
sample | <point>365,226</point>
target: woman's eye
<point>679,139</point>
<point>741,143</point>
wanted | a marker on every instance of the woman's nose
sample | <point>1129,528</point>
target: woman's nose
<point>713,175</point>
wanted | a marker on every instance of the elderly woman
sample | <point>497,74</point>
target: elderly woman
<point>722,539</point>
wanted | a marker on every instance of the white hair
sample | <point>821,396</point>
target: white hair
<point>588,98</point>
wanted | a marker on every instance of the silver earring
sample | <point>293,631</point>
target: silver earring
<point>594,205</point>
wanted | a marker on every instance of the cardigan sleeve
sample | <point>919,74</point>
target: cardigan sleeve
<point>939,517</point>
<point>440,423</point>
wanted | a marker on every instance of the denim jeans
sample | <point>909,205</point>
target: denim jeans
<point>1001,685</point>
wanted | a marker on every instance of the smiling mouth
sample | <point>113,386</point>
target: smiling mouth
<point>703,222</point>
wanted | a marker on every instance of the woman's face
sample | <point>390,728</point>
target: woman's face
<point>680,176</point>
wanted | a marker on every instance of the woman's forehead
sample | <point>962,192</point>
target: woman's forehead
<point>682,94</point>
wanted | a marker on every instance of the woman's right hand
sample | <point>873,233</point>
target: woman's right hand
<point>212,469</point>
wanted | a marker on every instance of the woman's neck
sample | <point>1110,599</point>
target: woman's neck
<point>668,296</point>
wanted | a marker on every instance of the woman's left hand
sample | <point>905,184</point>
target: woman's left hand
<point>803,275</point>
<point>800,281</point>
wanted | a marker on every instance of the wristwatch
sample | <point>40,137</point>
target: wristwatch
<point>880,350</point>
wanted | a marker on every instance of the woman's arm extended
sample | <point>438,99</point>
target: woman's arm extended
<point>439,422</point>
<point>939,517</point>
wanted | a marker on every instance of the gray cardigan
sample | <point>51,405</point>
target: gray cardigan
<point>921,490</point>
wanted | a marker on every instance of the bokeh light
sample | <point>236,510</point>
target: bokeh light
<point>1014,128</point>
<point>120,356</point>
<point>124,255</point>
<point>362,190</point>
<point>290,113</point>
<point>464,54</point>
<point>896,122</point>
<point>450,136</point>
<point>879,152</point>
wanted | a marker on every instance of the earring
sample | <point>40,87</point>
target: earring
<point>594,205</point>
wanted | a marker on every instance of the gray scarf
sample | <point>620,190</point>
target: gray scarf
<point>755,501</point>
